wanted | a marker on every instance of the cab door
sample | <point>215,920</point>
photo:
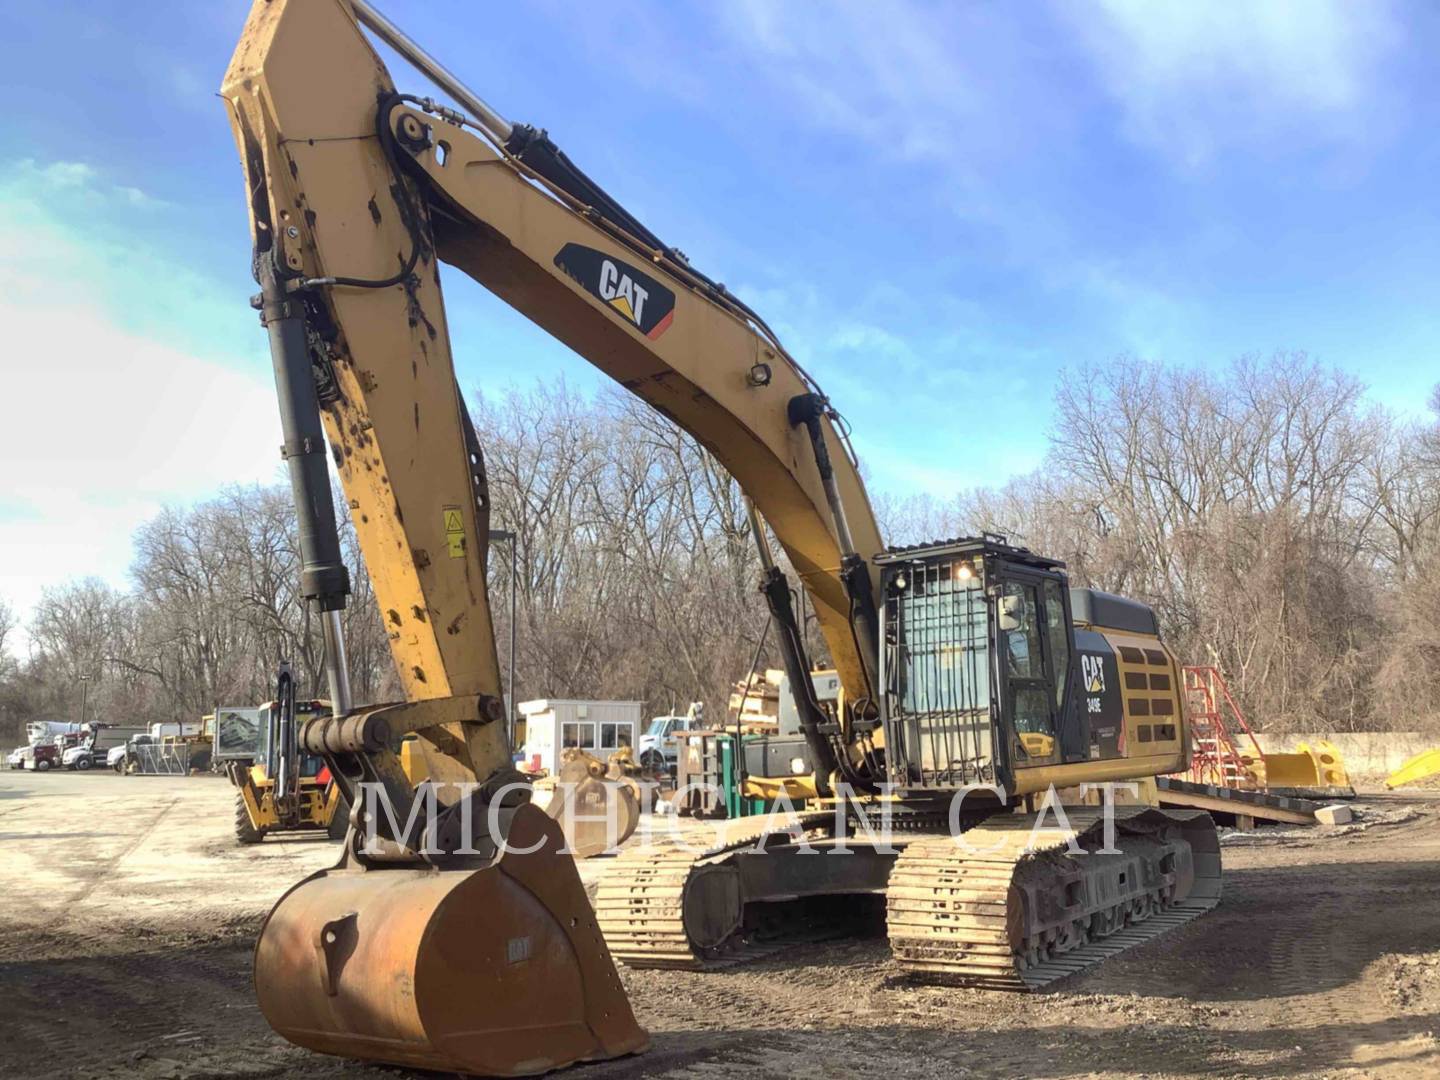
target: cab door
<point>1035,656</point>
<point>1070,717</point>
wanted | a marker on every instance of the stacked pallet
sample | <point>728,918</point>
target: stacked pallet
<point>758,696</point>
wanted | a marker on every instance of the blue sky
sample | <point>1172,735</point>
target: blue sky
<point>939,206</point>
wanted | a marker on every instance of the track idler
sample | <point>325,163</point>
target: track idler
<point>495,971</point>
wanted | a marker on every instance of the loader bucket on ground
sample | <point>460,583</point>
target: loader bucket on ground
<point>500,971</point>
<point>1309,770</point>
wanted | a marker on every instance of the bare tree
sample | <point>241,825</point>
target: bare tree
<point>9,622</point>
<point>1245,506</point>
<point>1279,525</point>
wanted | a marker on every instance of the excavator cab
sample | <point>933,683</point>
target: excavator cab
<point>997,672</point>
<point>978,662</point>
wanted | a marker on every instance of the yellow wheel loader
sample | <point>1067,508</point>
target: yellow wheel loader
<point>285,790</point>
<point>453,934</point>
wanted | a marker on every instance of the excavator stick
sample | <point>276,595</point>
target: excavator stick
<point>499,971</point>
<point>484,961</point>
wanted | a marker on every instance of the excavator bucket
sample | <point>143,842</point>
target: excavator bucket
<point>500,971</point>
<point>1317,770</point>
<point>597,813</point>
<point>1423,765</point>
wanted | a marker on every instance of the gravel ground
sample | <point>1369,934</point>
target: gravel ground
<point>129,917</point>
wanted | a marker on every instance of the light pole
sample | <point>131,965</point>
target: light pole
<point>84,696</point>
<point>509,537</point>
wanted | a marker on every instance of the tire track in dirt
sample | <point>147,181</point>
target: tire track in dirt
<point>109,866</point>
<point>1375,915</point>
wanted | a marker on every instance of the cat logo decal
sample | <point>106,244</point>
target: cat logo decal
<point>632,294</point>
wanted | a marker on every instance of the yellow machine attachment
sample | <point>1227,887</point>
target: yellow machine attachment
<point>1420,767</point>
<point>597,803</point>
<point>797,789</point>
<point>1306,772</point>
<point>480,972</point>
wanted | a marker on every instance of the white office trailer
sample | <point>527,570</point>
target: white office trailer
<point>598,727</point>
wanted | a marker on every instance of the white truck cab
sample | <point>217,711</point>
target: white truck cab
<point>96,742</point>
<point>660,745</point>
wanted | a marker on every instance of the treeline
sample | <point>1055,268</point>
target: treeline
<point>211,611</point>
<point>635,578</point>
<point>1283,528</point>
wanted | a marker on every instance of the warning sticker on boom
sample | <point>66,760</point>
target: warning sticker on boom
<point>455,532</point>
<point>626,290</point>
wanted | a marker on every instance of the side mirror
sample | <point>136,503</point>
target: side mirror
<point>1010,609</point>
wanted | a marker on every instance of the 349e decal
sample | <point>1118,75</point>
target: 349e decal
<point>632,294</point>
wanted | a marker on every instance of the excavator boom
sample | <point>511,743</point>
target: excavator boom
<point>958,662</point>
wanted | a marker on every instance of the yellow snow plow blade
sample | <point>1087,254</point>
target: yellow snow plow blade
<point>1422,765</point>
<point>1308,770</point>
<point>500,971</point>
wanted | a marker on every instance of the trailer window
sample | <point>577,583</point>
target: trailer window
<point>580,733</point>
<point>615,734</point>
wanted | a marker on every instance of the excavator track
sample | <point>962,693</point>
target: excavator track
<point>1012,909</point>
<point>1009,908</point>
<point>642,904</point>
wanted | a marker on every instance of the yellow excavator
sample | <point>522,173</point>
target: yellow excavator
<point>972,679</point>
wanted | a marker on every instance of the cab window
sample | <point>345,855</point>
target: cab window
<point>1020,635</point>
<point>1059,636</point>
<point>1021,628</point>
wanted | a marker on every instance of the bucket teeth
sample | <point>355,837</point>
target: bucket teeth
<point>497,971</point>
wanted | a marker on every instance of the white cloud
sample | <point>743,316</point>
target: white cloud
<point>1197,78</point>
<point>106,418</point>
<point>920,82</point>
<point>984,107</point>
